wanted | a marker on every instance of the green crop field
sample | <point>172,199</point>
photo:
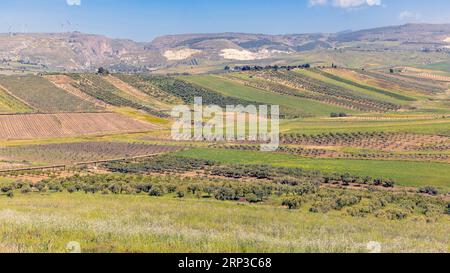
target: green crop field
<point>393,96</point>
<point>441,66</point>
<point>403,172</point>
<point>44,96</point>
<point>440,126</point>
<point>289,104</point>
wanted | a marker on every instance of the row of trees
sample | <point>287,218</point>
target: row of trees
<point>293,193</point>
<point>267,67</point>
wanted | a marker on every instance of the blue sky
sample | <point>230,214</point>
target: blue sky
<point>142,20</point>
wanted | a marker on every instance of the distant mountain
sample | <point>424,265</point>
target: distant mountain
<point>73,51</point>
<point>78,51</point>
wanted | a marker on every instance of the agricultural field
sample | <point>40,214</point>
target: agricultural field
<point>41,126</point>
<point>75,153</point>
<point>290,106</point>
<point>405,173</point>
<point>144,206</point>
<point>98,87</point>
<point>366,151</point>
<point>9,104</point>
<point>42,96</point>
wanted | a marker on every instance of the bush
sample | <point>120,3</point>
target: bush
<point>194,188</point>
<point>252,198</point>
<point>396,214</point>
<point>346,201</point>
<point>71,189</point>
<point>10,194</point>
<point>447,209</point>
<point>25,189</point>
<point>157,190</point>
<point>292,203</point>
<point>225,193</point>
<point>322,206</point>
<point>429,190</point>
<point>6,188</point>
<point>180,194</point>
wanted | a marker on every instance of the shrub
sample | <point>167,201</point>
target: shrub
<point>157,190</point>
<point>10,194</point>
<point>322,206</point>
<point>396,214</point>
<point>346,201</point>
<point>225,193</point>
<point>39,186</point>
<point>6,188</point>
<point>25,189</point>
<point>252,198</point>
<point>71,189</point>
<point>194,188</point>
<point>429,190</point>
<point>292,203</point>
<point>388,183</point>
<point>180,194</point>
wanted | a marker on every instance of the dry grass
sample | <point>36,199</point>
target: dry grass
<point>46,223</point>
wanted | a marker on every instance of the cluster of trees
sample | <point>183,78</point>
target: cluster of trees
<point>338,115</point>
<point>267,67</point>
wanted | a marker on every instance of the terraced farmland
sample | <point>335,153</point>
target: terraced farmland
<point>187,91</point>
<point>290,106</point>
<point>144,84</point>
<point>98,88</point>
<point>70,153</point>
<point>388,93</point>
<point>38,126</point>
<point>335,94</point>
<point>43,96</point>
<point>427,87</point>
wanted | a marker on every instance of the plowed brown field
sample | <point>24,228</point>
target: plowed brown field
<point>32,126</point>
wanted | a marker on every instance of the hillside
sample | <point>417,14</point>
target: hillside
<point>77,51</point>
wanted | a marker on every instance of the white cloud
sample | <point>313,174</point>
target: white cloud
<point>73,2</point>
<point>313,3</point>
<point>409,15</point>
<point>345,3</point>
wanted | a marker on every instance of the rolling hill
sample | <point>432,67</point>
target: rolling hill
<point>84,52</point>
